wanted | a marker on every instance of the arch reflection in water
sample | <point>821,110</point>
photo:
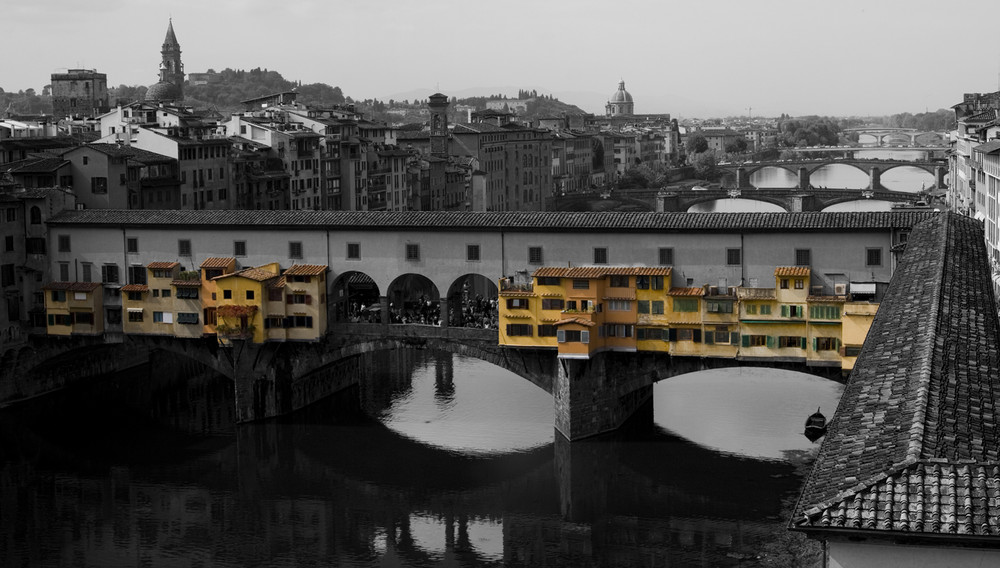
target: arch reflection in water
<point>736,205</point>
<point>772,176</point>
<point>465,405</point>
<point>839,176</point>
<point>860,205</point>
<point>907,178</point>
<point>755,412</point>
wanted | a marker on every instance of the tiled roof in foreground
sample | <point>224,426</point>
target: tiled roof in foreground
<point>915,443</point>
<point>489,221</point>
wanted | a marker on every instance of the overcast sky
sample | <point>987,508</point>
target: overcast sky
<point>690,58</point>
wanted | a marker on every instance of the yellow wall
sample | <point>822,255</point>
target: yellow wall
<point>91,302</point>
<point>238,286</point>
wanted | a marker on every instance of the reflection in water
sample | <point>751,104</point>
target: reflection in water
<point>93,482</point>
<point>746,417</point>
<point>907,178</point>
<point>772,176</point>
<point>735,205</point>
<point>861,205</point>
<point>839,176</point>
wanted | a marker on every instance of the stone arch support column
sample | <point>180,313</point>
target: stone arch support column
<point>875,178</point>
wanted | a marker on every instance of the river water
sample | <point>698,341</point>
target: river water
<point>904,178</point>
<point>433,460</point>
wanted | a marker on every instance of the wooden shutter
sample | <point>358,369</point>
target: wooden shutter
<point>309,299</point>
<point>584,337</point>
<point>770,341</point>
<point>709,338</point>
<point>746,341</point>
<point>560,335</point>
<point>672,334</point>
<point>803,343</point>
<point>288,299</point>
<point>784,310</point>
<point>696,335</point>
<point>734,337</point>
<point>815,344</point>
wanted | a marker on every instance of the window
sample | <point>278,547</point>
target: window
<point>163,317</point>
<point>227,294</point>
<point>852,351</point>
<point>239,248</point>
<point>642,306</point>
<point>187,317</point>
<point>36,215</point>
<point>135,297</point>
<point>733,257</point>
<point>685,334</point>
<point>791,341</point>
<point>156,292</point>
<point>547,331</point>
<point>34,245</point>
<point>472,253</point>
<point>572,336</point>
<point>552,304</point>
<point>784,283</point>
<point>666,256</point>
<point>650,333</point>
<point>719,306</point>
<point>98,185</point>
<point>519,329</point>
<point>134,315</point>
<point>517,303</point>
<point>249,294</point>
<point>601,255</point>
<point>799,284</point>
<point>617,330</point>
<point>11,214</point>
<point>548,280</point>
<point>791,311</point>
<point>618,281</point>
<point>751,309</point>
<point>721,336</point>
<point>354,251</point>
<point>60,319</point>
<point>412,251</point>
<point>656,306</point>
<point>58,295</point>
<point>8,243</point>
<point>187,293</point>
<point>802,257</point>
<point>826,344</point>
<point>534,255</point>
<point>581,284</point>
<point>184,247</point>
<point>754,340</point>
<point>113,315</point>
<point>64,243</point>
<point>87,269</point>
<point>109,274</point>
<point>619,305</point>
<point>7,275</point>
<point>685,305</point>
<point>131,244</point>
<point>873,257</point>
<point>274,294</point>
<point>64,272</point>
<point>765,309</point>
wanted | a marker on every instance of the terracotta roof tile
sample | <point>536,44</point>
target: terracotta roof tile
<point>600,271</point>
<point>162,265</point>
<point>686,292</point>
<point>218,262</point>
<point>580,321</point>
<point>306,270</point>
<point>915,442</point>
<point>186,283</point>
<point>511,221</point>
<point>792,271</point>
<point>135,288</point>
<point>258,274</point>
<point>72,286</point>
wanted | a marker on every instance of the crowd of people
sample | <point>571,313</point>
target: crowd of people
<point>479,312</point>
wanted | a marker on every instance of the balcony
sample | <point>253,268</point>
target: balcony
<point>510,286</point>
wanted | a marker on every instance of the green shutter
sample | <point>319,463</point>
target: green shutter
<point>52,319</point>
<point>815,344</point>
<point>784,310</point>
<point>803,342</point>
<point>709,338</point>
<point>770,341</point>
<point>746,341</point>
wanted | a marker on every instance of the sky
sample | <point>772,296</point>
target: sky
<point>687,58</point>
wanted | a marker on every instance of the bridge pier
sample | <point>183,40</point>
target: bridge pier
<point>667,201</point>
<point>939,177</point>
<point>804,179</point>
<point>875,178</point>
<point>742,179</point>
<point>597,395</point>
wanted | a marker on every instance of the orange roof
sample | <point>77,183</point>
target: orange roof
<point>135,288</point>
<point>279,283</point>
<point>580,321</point>
<point>218,262</point>
<point>257,274</point>
<point>601,271</point>
<point>792,271</point>
<point>686,292</point>
<point>305,270</point>
<point>72,286</point>
<point>186,283</point>
<point>162,265</point>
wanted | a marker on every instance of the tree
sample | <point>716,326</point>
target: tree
<point>705,165</point>
<point>696,144</point>
<point>737,146</point>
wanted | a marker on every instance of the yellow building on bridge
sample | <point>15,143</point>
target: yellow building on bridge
<point>584,310</point>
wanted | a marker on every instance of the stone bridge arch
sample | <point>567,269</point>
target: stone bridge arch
<point>469,295</point>
<point>752,195</point>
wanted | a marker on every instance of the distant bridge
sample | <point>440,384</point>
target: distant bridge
<point>883,133</point>
<point>793,199</point>
<point>804,168</point>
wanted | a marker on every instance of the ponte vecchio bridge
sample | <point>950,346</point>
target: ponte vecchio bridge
<point>805,168</point>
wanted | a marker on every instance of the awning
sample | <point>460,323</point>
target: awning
<point>862,287</point>
<point>135,310</point>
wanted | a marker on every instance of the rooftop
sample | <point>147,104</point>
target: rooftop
<point>791,271</point>
<point>914,445</point>
<point>600,271</point>
<point>489,221</point>
<point>306,270</point>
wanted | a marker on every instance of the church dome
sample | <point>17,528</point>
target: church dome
<point>621,95</point>
<point>163,91</point>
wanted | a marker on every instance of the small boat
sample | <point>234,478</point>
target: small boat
<point>815,426</point>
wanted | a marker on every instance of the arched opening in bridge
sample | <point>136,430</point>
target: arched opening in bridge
<point>355,298</point>
<point>868,139</point>
<point>929,139</point>
<point>480,538</point>
<point>896,140</point>
<point>758,412</point>
<point>909,179</point>
<point>472,302</point>
<point>413,298</point>
<point>839,176</point>
<point>774,177</point>
<point>860,205</point>
<point>736,205</point>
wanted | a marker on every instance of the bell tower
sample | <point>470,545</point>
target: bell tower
<point>438,104</point>
<point>171,68</point>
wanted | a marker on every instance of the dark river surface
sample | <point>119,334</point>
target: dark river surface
<point>434,460</point>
